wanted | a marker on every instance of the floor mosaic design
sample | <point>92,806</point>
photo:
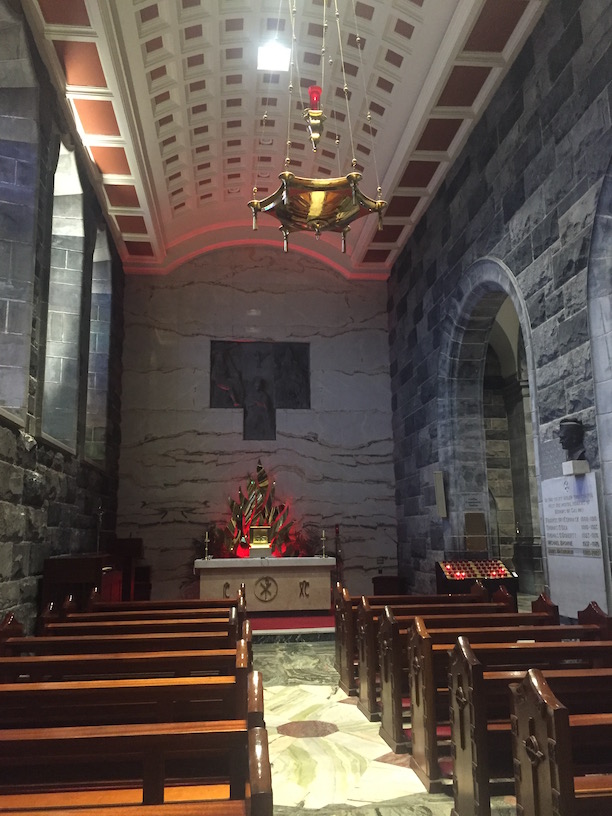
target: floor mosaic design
<point>326,757</point>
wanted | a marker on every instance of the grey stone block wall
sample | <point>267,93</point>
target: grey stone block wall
<point>514,216</point>
<point>48,498</point>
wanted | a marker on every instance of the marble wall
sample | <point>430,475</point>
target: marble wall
<point>181,460</point>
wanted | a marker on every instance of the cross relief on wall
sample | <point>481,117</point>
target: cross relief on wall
<point>259,378</point>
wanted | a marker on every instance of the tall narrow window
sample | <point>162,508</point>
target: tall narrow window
<point>18,160</point>
<point>99,339</point>
<point>60,396</point>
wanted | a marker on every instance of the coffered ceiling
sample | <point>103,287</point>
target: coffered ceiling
<point>180,125</point>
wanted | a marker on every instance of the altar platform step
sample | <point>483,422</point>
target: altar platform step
<point>292,627</point>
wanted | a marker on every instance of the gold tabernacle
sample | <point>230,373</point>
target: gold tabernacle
<point>259,536</point>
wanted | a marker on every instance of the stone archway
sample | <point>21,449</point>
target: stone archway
<point>470,349</point>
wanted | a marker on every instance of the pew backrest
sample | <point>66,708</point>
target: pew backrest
<point>179,663</point>
<point>134,700</point>
<point>139,626</point>
<point>87,644</point>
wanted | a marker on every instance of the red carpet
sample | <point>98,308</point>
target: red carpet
<point>270,623</point>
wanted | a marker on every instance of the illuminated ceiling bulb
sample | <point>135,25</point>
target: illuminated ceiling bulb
<point>273,57</point>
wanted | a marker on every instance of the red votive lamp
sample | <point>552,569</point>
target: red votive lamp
<point>314,92</point>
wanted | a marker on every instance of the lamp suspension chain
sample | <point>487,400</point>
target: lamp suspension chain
<point>345,86</point>
<point>323,44</point>
<point>365,96</point>
<point>292,64</point>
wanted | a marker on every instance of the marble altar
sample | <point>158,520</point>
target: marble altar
<point>272,584</point>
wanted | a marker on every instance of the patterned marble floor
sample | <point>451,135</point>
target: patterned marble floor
<point>326,757</point>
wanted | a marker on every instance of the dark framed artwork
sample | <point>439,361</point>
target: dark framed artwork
<point>259,378</point>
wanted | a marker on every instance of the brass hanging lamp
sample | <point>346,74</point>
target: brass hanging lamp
<point>314,204</point>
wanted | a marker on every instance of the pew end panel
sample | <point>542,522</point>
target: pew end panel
<point>367,659</point>
<point>425,715</point>
<point>540,746</point>
<point>392,684</point>
<point>501,595</point>
<point>544,604</point>
<point>479,592</point>
<point>474,756</point>
<point>594,614</point>
<point>260,773</point>
<point>336,603</point>
<point>346,634</point>
<point>9,628</point>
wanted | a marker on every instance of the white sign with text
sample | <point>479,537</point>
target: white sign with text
<point>576,566</point>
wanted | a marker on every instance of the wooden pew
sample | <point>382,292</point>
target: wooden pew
<point>141,625</point>
<point>346,606</point>
<point>96,604</point>
<point>428,667</point>
<point>142,698</point>
<point>368,621</point>
<point>345,621</point>
<point>113,702</point>
<point>208,808</point>
<point>84,644</point>
<point>98,612</point>
<point>394,659</point>
<point>562,761</point>
<point>147,763</point>
<point>345,616</point>
<point>396,686</point>
<point>12,641</point>
<point>139,699</point>
<point>480,721</point>
<point>222,680</point>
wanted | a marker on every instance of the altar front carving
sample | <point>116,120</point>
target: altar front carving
<point>272,584</point>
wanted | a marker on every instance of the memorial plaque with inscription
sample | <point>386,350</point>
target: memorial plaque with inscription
<point>576,565</point>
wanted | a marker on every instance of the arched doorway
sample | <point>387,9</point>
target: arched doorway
<point>510,461</point>
<point>486,424</point>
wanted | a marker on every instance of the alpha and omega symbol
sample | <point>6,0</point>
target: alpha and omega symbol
<point>266,589</point>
